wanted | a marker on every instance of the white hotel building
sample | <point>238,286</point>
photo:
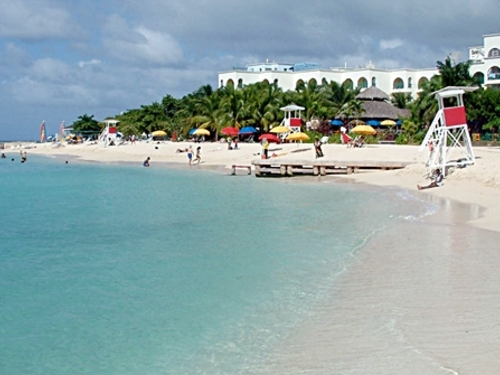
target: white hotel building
<point>485,65</point>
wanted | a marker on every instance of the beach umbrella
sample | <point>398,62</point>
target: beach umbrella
<point>388,123</point>
<point>230,131</point>
<point>364,130</point>
<point>337,122</point>
<point>247,130</point>
<point>270,138</point>
<point>373,122</point>
<point>201,132</point>
<point>191,132</point>
<point>299,136</point>
<point>279,129</point>
<point>159,133</point>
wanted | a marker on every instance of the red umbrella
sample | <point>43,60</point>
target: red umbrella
<point>270,138</point>
<point>230,131</point>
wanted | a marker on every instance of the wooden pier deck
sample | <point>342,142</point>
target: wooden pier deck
<point>276,167</point>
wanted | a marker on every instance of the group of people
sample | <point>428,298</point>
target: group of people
<point>188,151</point>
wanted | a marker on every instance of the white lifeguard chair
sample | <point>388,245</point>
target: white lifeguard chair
<point>292,119</point>
<point>447,141</point>
<point>109,134</point>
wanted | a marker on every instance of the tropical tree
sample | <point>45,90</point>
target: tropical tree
<point>86,124</point>
<point>401,100</point>
<point>262,108</point>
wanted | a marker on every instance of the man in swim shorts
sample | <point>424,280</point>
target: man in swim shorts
<point>190,155</point>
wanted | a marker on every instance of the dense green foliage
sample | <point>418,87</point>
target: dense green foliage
<point>258,105</point>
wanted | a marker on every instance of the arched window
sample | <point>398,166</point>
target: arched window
<point>494,52</point>
<point>229,82</point>
<point>494,73</point>
<point>312,82</point>
<point>276,81</point>
<point>479,77</point>
<point>409,83</point>
<point>266,81</point>
<point>221,83</point>
<point>349,83</point>
<point>422,81</point>
<point>362,83</point>
<point>398,84</point>
<point>374,82</point>
<point>299,83</point>
<point>240,83</point>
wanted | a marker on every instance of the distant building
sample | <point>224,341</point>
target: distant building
<point>485,66</point>
<point>486,61</point>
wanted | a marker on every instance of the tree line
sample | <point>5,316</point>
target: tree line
<point>259,104</point>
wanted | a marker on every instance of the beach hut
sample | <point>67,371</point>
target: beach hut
<point>377,106</point>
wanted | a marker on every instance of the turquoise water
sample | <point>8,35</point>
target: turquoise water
<point>131,270</point>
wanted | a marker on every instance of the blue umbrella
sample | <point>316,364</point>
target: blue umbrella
<point>248,130</point>
<point>399,122</point>
<point>336,122</point>
<point>373,122</point>
<point>192,131</point>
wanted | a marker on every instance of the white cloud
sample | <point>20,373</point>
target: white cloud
<point>35,21</point>
<point>83,64</point>
<point>141,45</point>
<point>390,44</point>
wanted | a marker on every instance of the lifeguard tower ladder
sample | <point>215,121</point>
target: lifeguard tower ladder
<point>108,135</point>
<point>292,119</point>
<point>447,141</point>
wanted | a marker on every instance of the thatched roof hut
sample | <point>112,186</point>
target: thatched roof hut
<point>376,105</point>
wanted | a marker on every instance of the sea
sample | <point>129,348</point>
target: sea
<point>123,270</point>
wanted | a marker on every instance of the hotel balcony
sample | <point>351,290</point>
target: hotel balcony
<point>493,76</point>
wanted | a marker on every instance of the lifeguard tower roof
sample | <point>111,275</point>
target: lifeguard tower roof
<point>454,90</point>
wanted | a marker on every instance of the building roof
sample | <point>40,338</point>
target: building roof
<point>376,109</point>
<point>373,93</point>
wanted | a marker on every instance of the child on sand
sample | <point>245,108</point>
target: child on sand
<point>198,155</point>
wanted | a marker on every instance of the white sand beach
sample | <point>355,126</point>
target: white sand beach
<point>438,307</point>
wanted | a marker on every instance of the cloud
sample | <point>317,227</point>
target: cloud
<point>30,20</point>
<point>391,44</point>
<point>83,64</point>
<point>141,45</point>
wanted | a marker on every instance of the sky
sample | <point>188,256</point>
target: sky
<point>60,59</point>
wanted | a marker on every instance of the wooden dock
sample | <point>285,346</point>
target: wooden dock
<point>277,167</point>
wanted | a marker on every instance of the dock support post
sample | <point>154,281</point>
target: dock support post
<point>349,170</point>
<point>289,170</point>
<point>257,171</point>
<point>322,171</point>
<point>315,170</point>
<point>283,170</point>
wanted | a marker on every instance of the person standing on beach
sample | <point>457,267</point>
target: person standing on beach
<point>190,155</point>
<point>198,154</point>
<point>265,148</point>
<point>317,148</point>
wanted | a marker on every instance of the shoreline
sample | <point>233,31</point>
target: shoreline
<point>478,185</point>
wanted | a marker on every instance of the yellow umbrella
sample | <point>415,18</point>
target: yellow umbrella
<point>158,133</point>
<point>364,130</point>
<point>388,123</point>
<point>201,132</point>
<point>279,129</point>
<point>297,137</point>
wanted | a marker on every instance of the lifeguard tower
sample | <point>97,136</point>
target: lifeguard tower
<point>292,119</point>
<point>109,134</point>
<point>447,141</point>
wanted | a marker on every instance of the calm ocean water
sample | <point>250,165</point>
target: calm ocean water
<point>131,270</point>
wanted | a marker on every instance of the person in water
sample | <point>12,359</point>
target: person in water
<point>146,162</point>
<point>3,156</point>
<point>24,156</point>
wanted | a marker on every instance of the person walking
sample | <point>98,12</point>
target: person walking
<point>317,148</point>
<point>190,155</point>
<point>198,155</point>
